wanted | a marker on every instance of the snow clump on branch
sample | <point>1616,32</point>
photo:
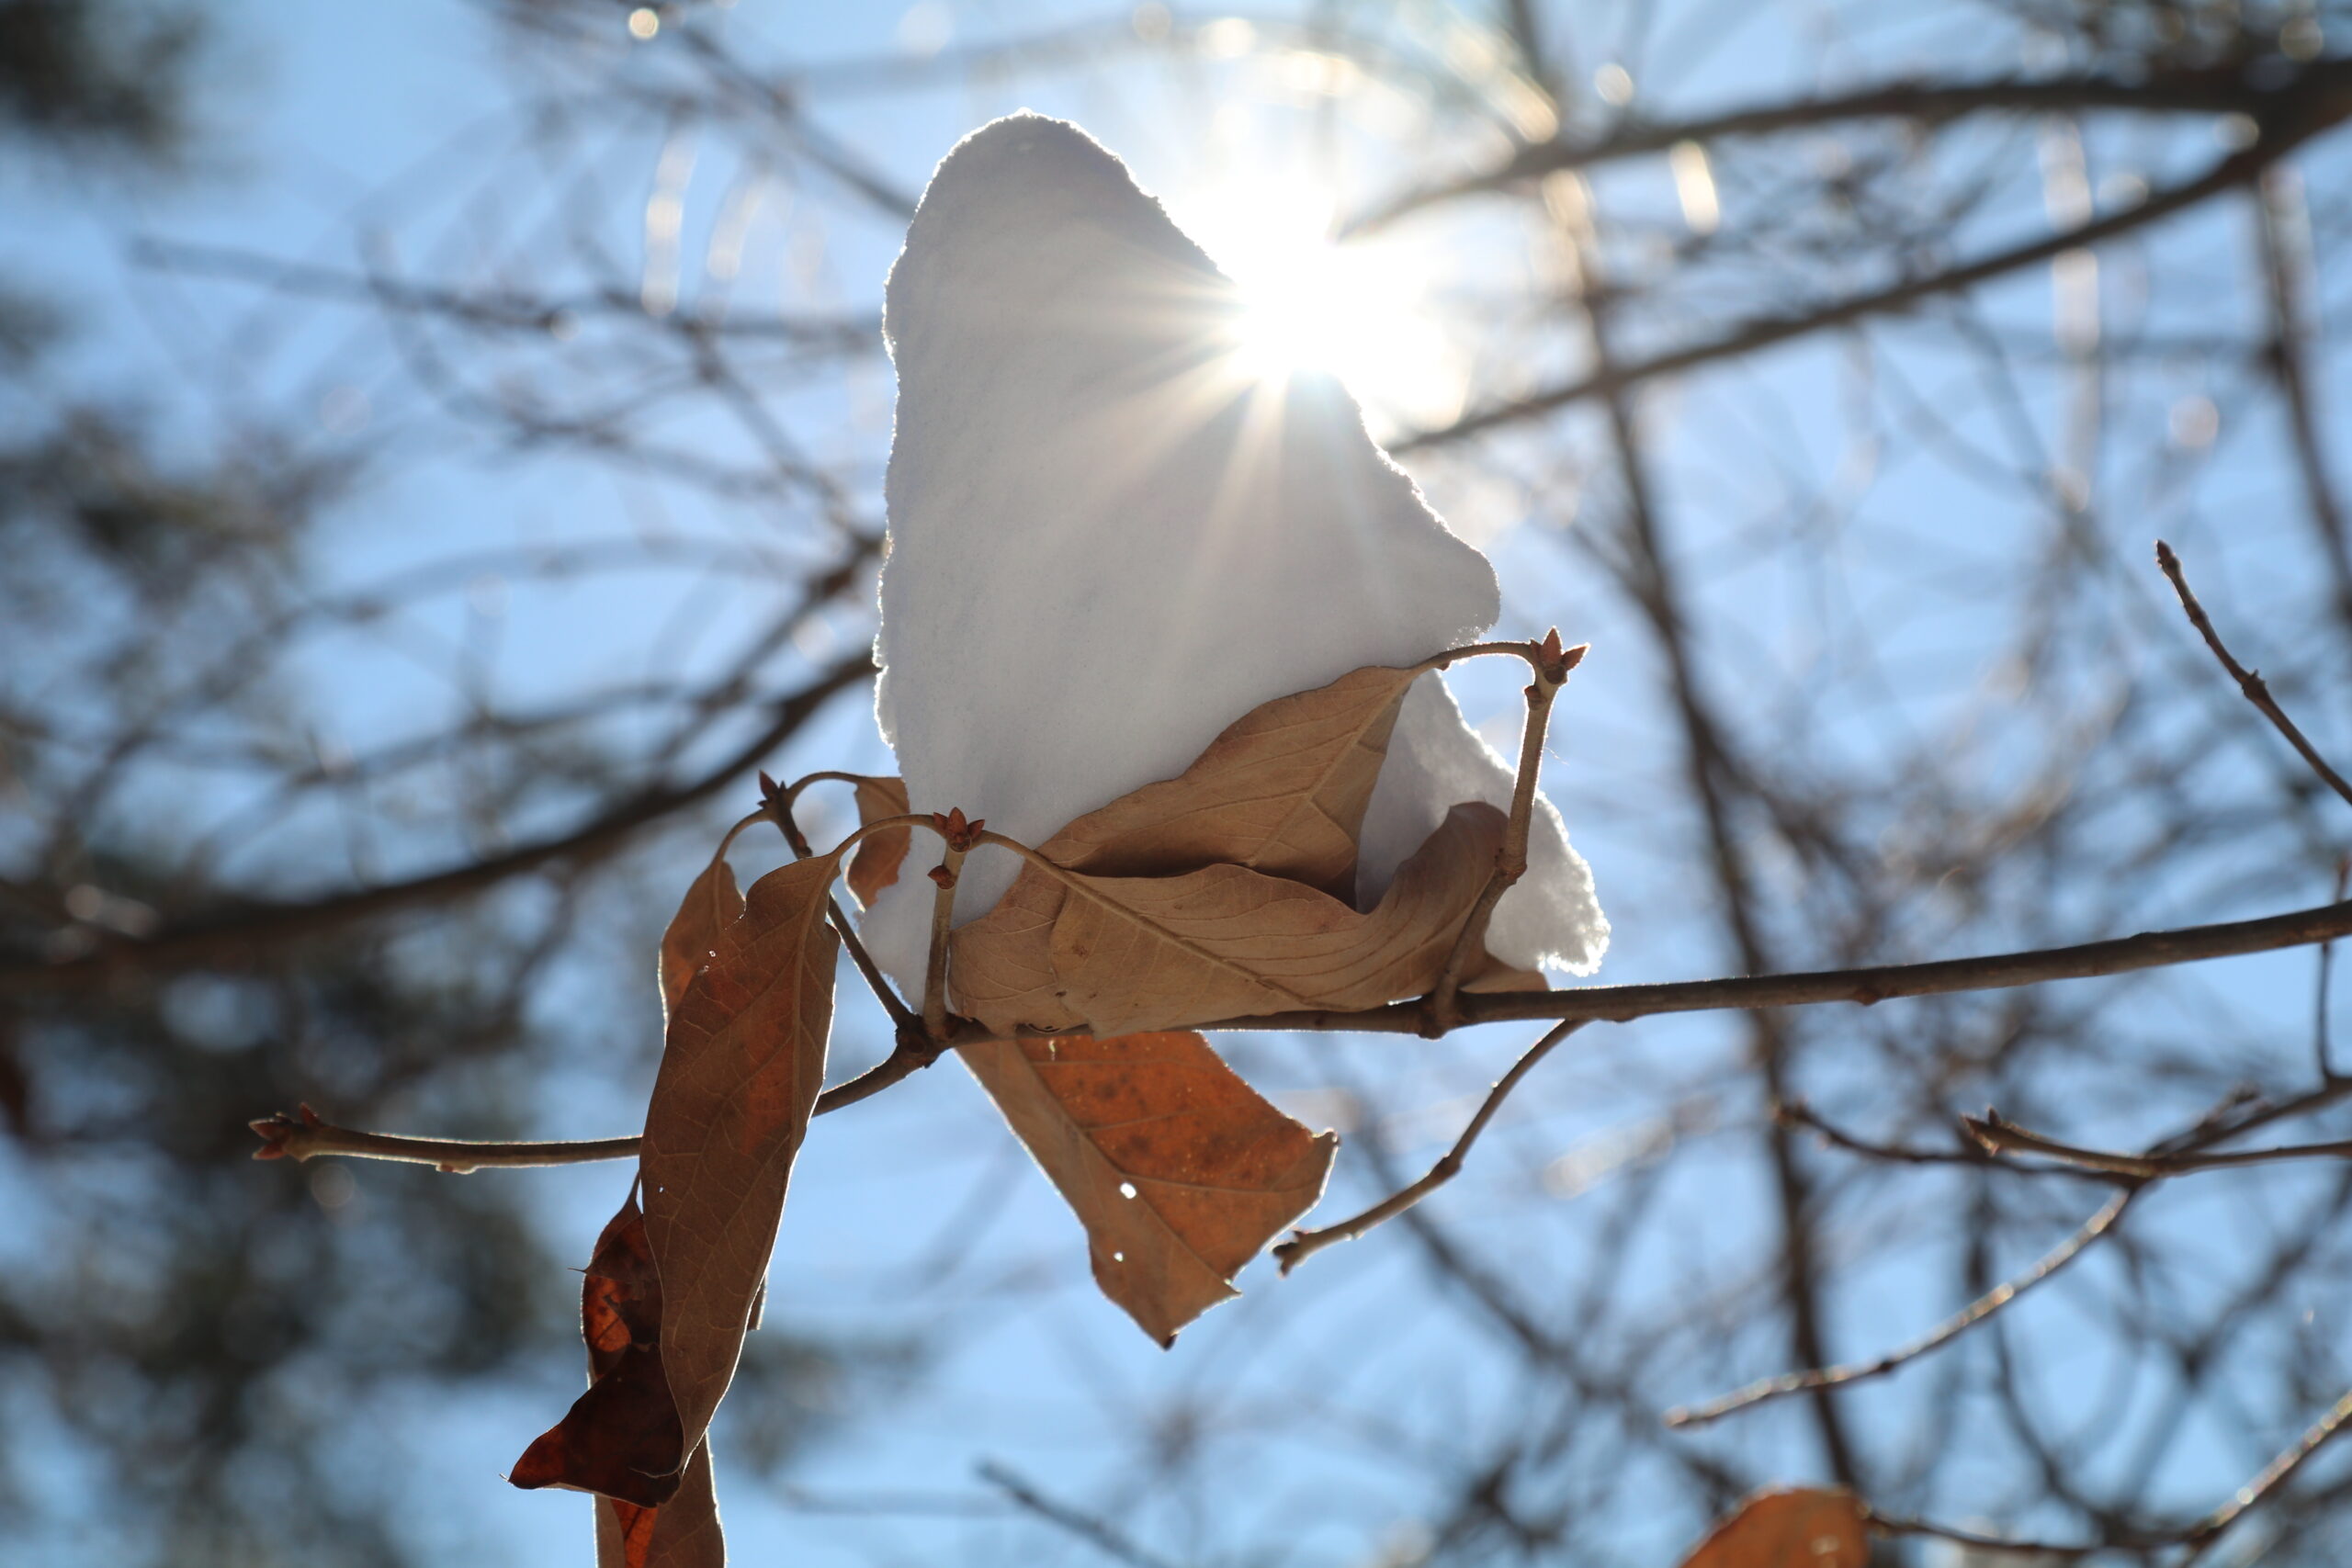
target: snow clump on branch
<point>1107,541</point>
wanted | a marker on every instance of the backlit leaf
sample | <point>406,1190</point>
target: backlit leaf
<point>1122,954</point>
<point>874,865</point>
<point>671,1293</point>
<point>1180,1171</point>
<point>1803,1527</point>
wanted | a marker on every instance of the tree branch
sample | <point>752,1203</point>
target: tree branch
<point>1968,1318</point>
<point>2279,136</point>
<point>237,930</point>
<point>2219,89</point>
<point>1993,972</point>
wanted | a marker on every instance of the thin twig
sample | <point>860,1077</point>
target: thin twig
<point>305,1136</point>
<point>778,807</point>
<point>2320,1047</point>
<point>2315,1436</point>
<point>1099,1533</point>
<point>2250,682</point>
<point>1797,1113</point>
<point>1976,1312</point>
<point>1897,1523</point>
<point>2197,1536</point>
<point>2007,1137</point>
<point>960,837</point>
<point>1305,1244</point>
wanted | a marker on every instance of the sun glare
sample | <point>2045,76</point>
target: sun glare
<point>1358,312</point>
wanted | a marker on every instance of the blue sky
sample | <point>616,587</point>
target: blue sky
<point>336,122</point>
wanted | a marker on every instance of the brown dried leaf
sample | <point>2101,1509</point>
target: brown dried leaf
<point>1122,954</point>
<point>622,1436</point>
<point>670,1294</point>
<point>681,1533</point>
<point>1282,790</point>
<point>1179,1170</point>
<point>620,1318</point>
<point>740,1075</point>
<point>875,865</point>
<point>1801,1528</point>
<point>710,905</point>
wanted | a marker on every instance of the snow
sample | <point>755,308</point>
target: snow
<point>1108,539</point>
<point>1435,759</point>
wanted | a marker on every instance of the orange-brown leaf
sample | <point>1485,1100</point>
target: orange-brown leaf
<point>1282,790</point>
<point>681,1533</point>
<point>1802,1528</point>
<point>875,863</point>
<point>670,1293</point>
<point>710,905</point>
<point>1123,955</point>
<point>1179,1170</point>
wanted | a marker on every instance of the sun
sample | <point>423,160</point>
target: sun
<point>1360,311</point>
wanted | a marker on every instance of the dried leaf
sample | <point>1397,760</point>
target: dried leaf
<point>1802,1528</point>
<point>1282,790</point>
<point>740,1074</point>
<point>875,863</point>
<point>1123,955</point>
<point>710,905</point>
<point>621,1438</point>
<point>1179,1170</point>
<point>681,1533</point>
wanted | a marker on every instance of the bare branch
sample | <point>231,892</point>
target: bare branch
<point>2277,139</point>
<point>1305,1244</point>
<point>1864,986</point>
<point>1968,1318</point>
<point>258,924</point>
<point>2220,89</point>
<point>2250,682</point>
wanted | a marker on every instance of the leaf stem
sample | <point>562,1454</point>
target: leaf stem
<point>779,808</point>
<point>1552,665</point>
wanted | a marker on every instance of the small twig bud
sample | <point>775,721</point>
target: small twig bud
<point>962,835</point>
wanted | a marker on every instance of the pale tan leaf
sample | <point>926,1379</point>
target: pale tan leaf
<point>1282,790</point>
<point>710,905</point>
<point>875,863</point>
<point>1130,954</point>
<point>1179,1170</point>
<point>1001,966</point>
<point>1801,1528</point>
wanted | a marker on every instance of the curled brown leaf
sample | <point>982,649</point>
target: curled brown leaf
<point>671,1293</point>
